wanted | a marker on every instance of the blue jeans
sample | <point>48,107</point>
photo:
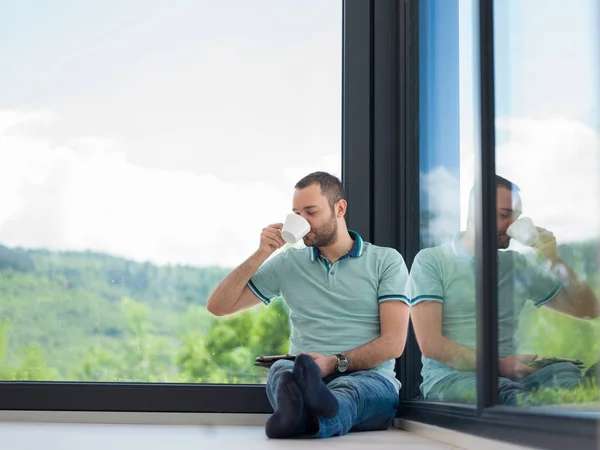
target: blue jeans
<point>367,401</point>
<point>461,387</point>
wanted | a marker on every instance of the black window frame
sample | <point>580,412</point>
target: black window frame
<point>380,168</point>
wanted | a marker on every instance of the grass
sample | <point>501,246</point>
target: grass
<point>585,396</point>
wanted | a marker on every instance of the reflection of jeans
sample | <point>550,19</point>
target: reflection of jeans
<point>461,386</point>
<point>367,401</point>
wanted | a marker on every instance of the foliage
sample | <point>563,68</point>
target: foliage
<point>94,317</point>
<point>83,316</point>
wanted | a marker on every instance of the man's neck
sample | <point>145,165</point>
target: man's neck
<point>339,248</point>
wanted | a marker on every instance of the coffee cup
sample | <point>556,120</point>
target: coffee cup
<point>523,231</point>
<point>294,228</point>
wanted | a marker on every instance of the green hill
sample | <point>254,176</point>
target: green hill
<point>95,317</point>
<point>86,316</point>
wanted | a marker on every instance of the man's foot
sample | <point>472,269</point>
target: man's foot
<point>290,418</point>
<point>317,395</point>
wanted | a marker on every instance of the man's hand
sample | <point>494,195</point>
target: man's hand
<point>326,363</point>
<point>545,246</point>
<point>515,366</point>
<point>270,239</point>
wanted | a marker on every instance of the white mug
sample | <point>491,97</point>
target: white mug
<point>294,228</point>
<point>523,231</point>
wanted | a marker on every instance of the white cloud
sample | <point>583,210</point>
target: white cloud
<point>87,195</point>
<point>12,119</point>
<point>556,163</point>
<point>439,187</point>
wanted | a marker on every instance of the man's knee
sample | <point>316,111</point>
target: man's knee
<point>363,385</point>
<point>566,368</point>
<point>279,367</point>
<point>564,374</point>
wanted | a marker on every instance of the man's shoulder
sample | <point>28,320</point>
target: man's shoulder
<point>379,249</point>
<point>296,253</point>
<point>382,253</point>
<point>289,255</point>
<point>430,254</point>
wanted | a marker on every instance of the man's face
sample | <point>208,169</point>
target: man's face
<point>509,209</point>
<point>311,204</point>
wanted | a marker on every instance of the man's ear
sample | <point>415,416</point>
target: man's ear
<point>340,208</point>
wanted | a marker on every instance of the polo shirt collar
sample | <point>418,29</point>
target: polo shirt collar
<point>356,251</point>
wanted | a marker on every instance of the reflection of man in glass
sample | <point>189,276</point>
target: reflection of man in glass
<point>444,313</point>
<point>349,314</point>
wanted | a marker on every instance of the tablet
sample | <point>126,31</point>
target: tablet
<point>268,360</point>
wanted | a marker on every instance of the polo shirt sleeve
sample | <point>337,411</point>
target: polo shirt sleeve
<point>266,282</point>
<point>425,279</point>
<point>393,281</point>
<point>542,285</point>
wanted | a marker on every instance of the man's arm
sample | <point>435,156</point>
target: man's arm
<point>427,322</point>
<point>233,294</point>
<point>576,298</point>
<point>394,316</point>
<point>426,311</point>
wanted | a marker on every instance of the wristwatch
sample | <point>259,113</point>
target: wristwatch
<point>342,363</point>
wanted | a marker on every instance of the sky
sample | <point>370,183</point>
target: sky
<point>171,133</point>
<point>175,133</point>
<point>547,81</point>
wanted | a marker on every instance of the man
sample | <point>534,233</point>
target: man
<point>444,317</point>
<point>349,314</point>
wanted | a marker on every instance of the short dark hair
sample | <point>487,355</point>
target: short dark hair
<point>501,181</point>
<point>331,186</point>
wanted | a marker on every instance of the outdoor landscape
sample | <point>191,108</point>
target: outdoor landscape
<point>83,316</point>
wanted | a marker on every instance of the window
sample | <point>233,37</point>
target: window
<point>143,150</point>
<point>548,142</point>
<point>443,273</point>
<point>496,99</point>
<point>417,125</point>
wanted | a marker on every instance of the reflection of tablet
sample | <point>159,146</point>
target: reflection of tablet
<point>540,363</point>
<point>267,361</point>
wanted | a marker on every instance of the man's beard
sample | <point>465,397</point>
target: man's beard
<point>325,235</point>
<point>503,241</point>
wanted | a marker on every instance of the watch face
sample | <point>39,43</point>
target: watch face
<point>342,365</point>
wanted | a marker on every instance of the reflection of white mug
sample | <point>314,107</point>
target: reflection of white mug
<point>523,231</point>
<point>294,228</point>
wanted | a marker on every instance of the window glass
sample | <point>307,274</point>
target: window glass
<point>443,273</point>
<point>547,58</point>
<point>142,150</point>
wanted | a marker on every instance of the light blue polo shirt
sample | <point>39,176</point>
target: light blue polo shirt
<point>446,274</point>
<point>334,308</point>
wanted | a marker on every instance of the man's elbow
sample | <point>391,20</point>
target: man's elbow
<point>589,310</point>
<point>591,314</point>
<point>396,348</point>
<point>429,350</point>
<point>213,307</point>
